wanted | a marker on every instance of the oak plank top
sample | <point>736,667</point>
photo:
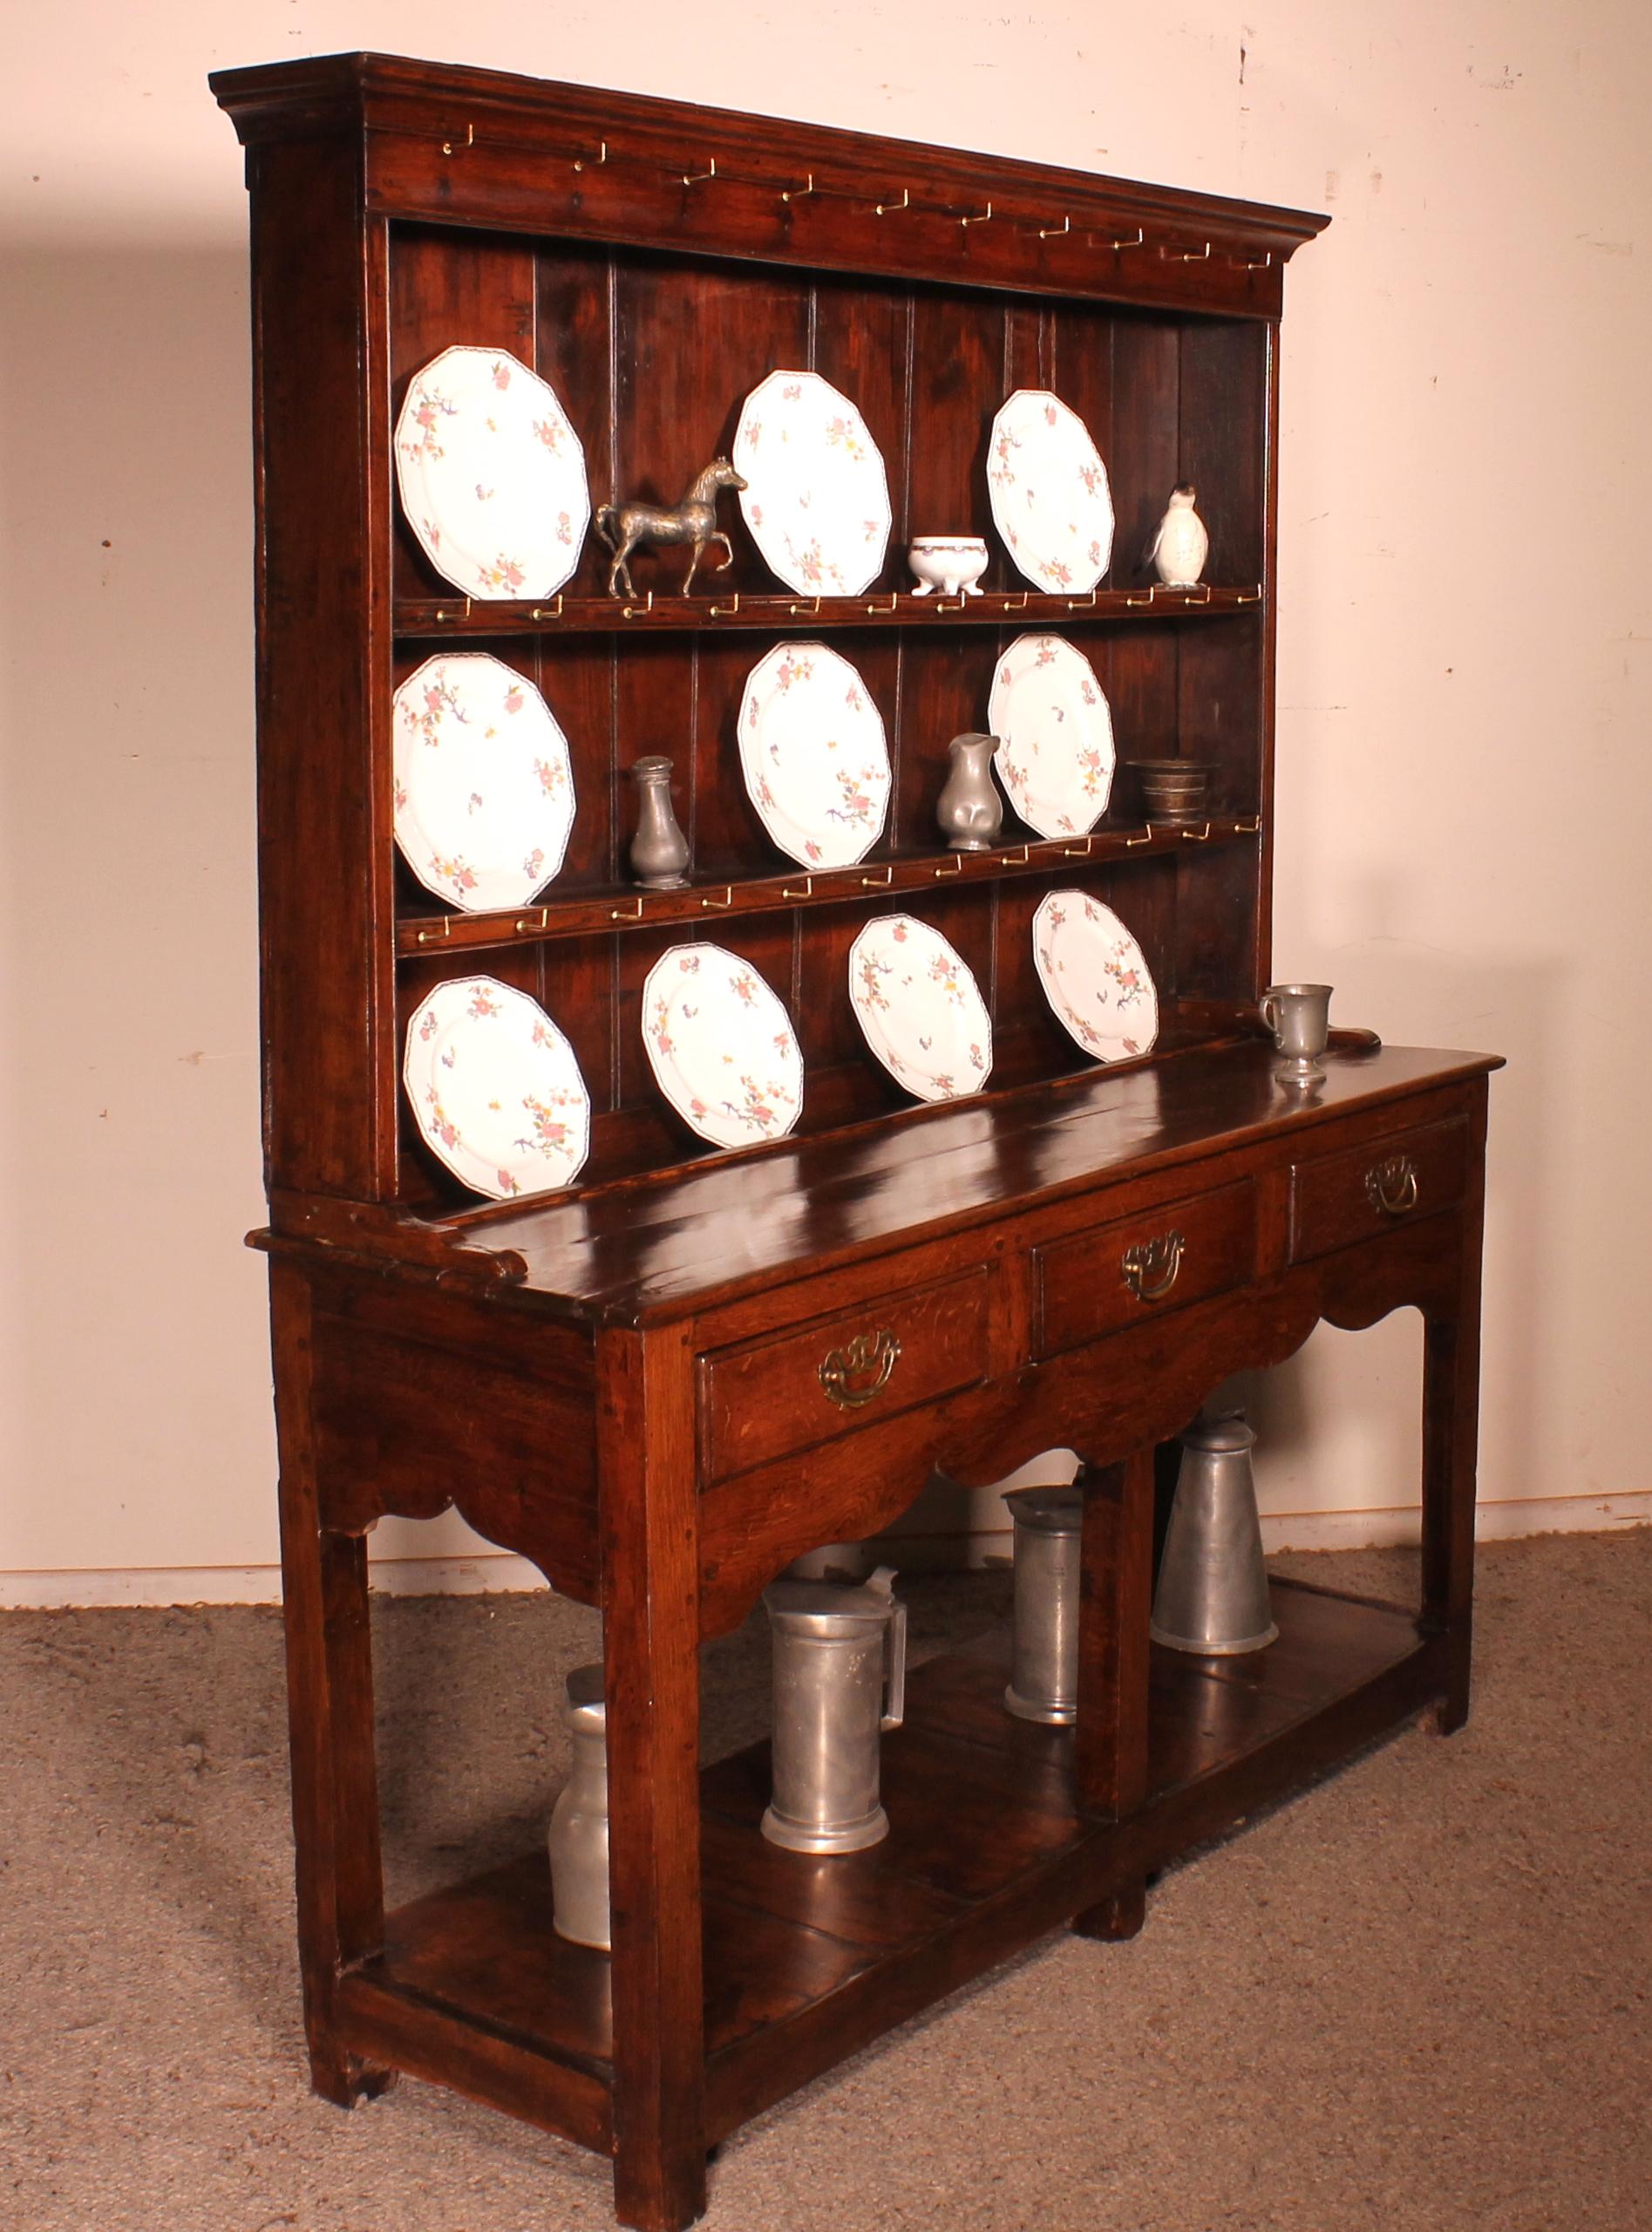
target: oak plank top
<point>663,1247</point>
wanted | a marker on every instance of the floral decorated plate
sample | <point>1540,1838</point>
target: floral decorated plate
<point>721,1046</point>
<point>816,496</point>
<point>920,1009</point>
<point>1094,977</point>
<point>483,789</point>
<point>1056,750</point>
<point>495,1089</point>
<point>813,755</point>
<point>1049,491</point>
<point>491,475</point>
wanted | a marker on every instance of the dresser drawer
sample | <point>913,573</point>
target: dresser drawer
<point>1094,1282</point>
<point>1338,1199</point>
<point>766,1399</point>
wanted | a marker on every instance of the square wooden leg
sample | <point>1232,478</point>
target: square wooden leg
<point>650,1603</point>
<point>329,1694</point>
<point>1451,1448</point>
<point>1115,1603</point>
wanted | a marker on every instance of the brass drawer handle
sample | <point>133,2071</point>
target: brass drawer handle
<point>1392,1186</point>
<point>857,1375</point>
<point>1150,1267</point>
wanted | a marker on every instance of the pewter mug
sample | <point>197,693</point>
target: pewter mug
<point>579,1821</point>
<point>837,1653</point>
<point>1043,1682</point>
<point>1299,1017</point>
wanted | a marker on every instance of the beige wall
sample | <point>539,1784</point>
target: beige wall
<point>1466,669</point>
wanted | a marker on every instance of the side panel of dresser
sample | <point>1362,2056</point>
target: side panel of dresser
<point>395,1395</point>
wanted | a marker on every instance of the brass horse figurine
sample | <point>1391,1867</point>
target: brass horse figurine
<point>623,526</point>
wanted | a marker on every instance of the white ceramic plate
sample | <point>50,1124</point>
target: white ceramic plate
<point>815,756</point>
<point>1094,977</point>
<point>484,793</point>
<point>1055,750</point>
<point>491,475</point>
<point>721,1046</point>
<point>495,1089</point>
<point>1049,491</point>
<point>816,497</point>
<point>920,1009</point>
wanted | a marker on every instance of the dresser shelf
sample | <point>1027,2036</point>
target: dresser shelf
<point>806,1958</point>
<point>624,907</point>
<point>665,612</point>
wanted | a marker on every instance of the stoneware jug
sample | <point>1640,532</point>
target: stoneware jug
<point>578,1822</point>
<point>840,1680</point>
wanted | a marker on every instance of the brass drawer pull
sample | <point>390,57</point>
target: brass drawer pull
<point>857,1375</point>
<point>1150,1267</point>
<point>1392,1186</point>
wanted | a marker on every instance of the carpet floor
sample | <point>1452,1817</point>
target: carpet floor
<point>1413,1999</point>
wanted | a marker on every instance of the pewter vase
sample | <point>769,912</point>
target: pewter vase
<point>1211,1596</point>
<point>840,1680</point>
<point>969,810</point>
<point>659,852</point>
<point>1043,1682</point>
<point>579,1821</point>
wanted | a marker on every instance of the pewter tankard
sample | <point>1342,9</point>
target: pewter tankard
<point>837,1651</point>
<point>1299,1017</point>
<point>578,1822</point>
<point>1043,1682</point>
<point>1211,1596</point>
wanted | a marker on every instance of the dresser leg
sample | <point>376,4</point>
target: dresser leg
<point>329,1693</point>
<point>1117,1918</point>
<point>650,1605</point>
<point>1450,1446</point>
<point>1448,1507</point>
<point>1115,1600</point>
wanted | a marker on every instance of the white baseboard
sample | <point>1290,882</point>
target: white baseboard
<point>1494,1522</point>
<point>160,1585</point>
<point>500,1569</point>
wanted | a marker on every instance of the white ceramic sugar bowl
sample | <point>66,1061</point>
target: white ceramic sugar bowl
<point>950,563</point>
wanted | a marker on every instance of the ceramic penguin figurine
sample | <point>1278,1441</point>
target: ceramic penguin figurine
<point>1180,544</point>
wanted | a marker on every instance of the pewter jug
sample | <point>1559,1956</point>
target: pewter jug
<point>969,810</point>
<point>840,1680</point>
<point>1043,1682</point>
<point>659,852</point>
<point>1211,1596</point>
<point>579,1821</point>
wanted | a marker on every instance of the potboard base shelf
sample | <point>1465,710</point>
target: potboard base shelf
<point>807,1960</point>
